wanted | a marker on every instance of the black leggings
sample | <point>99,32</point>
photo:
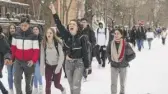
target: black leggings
<point>101,55</point>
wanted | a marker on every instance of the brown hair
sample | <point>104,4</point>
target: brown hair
<point>8,32</point>
<point>55,37</point>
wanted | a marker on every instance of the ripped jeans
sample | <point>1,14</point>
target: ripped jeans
<point>74,71</point>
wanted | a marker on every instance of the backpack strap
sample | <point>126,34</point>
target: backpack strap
<point>106,33</point>
<point>97,33</point>
<point>56,46</point>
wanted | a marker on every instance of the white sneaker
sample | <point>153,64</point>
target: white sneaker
<point>40,89</point>
<point>35,90</point>
<point>64,92</point>
<point>11,91</point>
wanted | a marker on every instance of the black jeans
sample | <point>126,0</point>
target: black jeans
<point>101,55</point>
<point>163,41</point>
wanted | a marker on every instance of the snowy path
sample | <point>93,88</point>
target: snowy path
<point>147,74</point>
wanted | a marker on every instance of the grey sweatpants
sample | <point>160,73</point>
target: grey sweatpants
<point>74,70</point>
<point>115,72</point>
<point>20,67</point>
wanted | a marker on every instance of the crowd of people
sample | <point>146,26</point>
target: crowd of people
<point>27,50</point>
<point>138,34</point>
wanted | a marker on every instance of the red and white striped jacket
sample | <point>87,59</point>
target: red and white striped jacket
<point>25,46</point>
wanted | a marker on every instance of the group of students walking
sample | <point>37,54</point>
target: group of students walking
<point>139,34</point>
<point>36,56</point>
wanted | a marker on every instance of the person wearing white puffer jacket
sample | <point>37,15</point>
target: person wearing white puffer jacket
<point>150,37</point>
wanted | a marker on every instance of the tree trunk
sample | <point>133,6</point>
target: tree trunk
<point>67,10</point>
<point>88,11</point>
<point>46,14</point>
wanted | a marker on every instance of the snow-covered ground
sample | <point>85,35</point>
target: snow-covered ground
<point>148,73</point>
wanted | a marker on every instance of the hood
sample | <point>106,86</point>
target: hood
<point>102,23</point>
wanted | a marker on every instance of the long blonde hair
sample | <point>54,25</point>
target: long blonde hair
<point>55,37</point>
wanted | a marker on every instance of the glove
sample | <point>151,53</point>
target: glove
<point>30,63</point>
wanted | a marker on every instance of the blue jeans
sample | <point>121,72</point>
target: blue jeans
<point>10,75</point>
<point>37,75</point>
<point>139,44</point>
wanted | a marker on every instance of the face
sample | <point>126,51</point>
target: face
<point>36,31</point>
<point>101,25</point>
<point>49,34</point>
<point>25,26</point>
<point>117,35</point>
<point>84,23</point>
<point>73,28</point>
<point>12,29</point>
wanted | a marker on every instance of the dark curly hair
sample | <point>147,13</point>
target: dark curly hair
<point>25,18</point>
<point>78,25</point>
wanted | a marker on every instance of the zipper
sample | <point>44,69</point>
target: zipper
<point>23,46</point>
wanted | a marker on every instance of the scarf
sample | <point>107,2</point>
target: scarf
<point>117,56</point>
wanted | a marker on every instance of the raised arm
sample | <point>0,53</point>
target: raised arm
<point>63,32</point>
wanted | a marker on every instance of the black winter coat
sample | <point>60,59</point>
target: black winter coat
<point>91,35</point>
<point>4,50</point>
<point>140,34</point>
<point>75,46</point>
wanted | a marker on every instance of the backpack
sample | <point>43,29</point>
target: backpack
<point>89,47</point>
<point>105,33</point>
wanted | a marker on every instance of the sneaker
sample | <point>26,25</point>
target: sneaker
<point>84,79</point>
<point>40,88</point>
<point>11,91</point>
<point>64,91</point>
<point>35,90</point>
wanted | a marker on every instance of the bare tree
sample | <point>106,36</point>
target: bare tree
<point>67,6</point>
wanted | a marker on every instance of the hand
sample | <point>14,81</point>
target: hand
<point>8,62</point>
<point>104,47</point>
<point>57,70</point>
<point>68,58</point>
<point>30,63</point>
<point>86,71</point>
<point>52,8</point>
